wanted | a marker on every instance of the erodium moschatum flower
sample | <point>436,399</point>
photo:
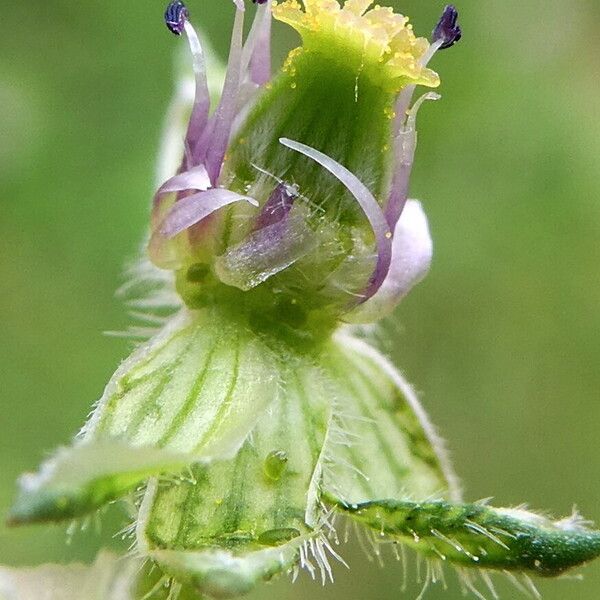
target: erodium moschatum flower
<point>256,419</point>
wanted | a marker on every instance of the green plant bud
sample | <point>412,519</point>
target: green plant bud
<point>477,535</point>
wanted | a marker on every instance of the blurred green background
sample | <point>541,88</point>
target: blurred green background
<point>503,337</point>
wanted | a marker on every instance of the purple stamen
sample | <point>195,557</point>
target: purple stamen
<point>259,1</point>
<point>447,28</point>
<point>257,52</point>
<point>224,115</point>
<point>278,206</point>
<point>175,16</point>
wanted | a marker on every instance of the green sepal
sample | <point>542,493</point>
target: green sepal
<point>233,523</point>
<point>192,393</point>
<point>480,536</point>
<point>223,574</point>
<point>382,444</point>
<point>86,476</point>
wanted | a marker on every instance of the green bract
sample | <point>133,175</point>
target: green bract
<point>255,416</point>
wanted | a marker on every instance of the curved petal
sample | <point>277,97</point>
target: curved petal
<point>256,59</point>
<point>412,250</point>
<point>405,145</point>
<point>192,209</point>
<point>201,107</point>
<point>279,239</point>
<point>366,201</point>
<point>195,179</point>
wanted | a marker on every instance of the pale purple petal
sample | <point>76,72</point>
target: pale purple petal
<point>412,249</point>
<point>265,253</point>
<point>366,201</point>
<point>190,210</point>
<point>256,60</point>
<point>405,143</point>
<point>404,150</point>
<point>194,179</point>
<point>226,111</point>
<point>199,116</point>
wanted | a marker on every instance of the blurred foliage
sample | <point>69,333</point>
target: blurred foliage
<point>503,336</point>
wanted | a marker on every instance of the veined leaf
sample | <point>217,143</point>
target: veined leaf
<point>382,443</point>
<point>192,393</point>
<point>236,522</point>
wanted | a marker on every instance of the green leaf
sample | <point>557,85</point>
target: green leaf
<point>110,576</point>
<point>477,535</point>
<point>192,393</point>
<point>87,476</point>
<point>236,522</point>
<point>382,444</point>
<point>223,574</point>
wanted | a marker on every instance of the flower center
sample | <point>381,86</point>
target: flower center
<point>377,40</point>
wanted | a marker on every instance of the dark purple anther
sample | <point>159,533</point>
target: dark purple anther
<point>175,16</point>
<point>259,1</point>
<point>278,205</point>
<point>447,29</point>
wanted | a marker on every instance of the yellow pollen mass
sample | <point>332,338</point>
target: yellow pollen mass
<point>381,38</point>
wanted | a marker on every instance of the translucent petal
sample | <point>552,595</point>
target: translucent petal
<point>195,179</point>
<point>405,145</point>
<point>192,209</point>
<point>367,203</point>
<point>266,252</point>
<point>256,56</point>
<point>201,107</point>
<point>223,118</point>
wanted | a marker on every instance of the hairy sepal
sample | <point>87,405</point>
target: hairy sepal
<point>191,394</point>
<point>231,524</point>
<point>480,536</point>
<point>382,443</point>
<point>223,574</point>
